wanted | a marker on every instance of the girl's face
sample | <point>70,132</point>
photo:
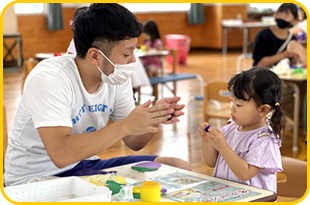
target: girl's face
<point>146,36</point>
<point>285,15</point>
<point>246,114</point>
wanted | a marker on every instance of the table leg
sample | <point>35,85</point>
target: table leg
<point>19,50</point>
<point>296,114</point>
<point>224,49</point>
<point>245,41</point>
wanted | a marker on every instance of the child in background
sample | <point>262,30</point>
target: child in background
<point>301,25</point>
<point>152,41</point>
<point>268,50</point>
<point>248,149</point>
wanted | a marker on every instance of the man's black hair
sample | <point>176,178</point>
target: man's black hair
<point>101,24</point>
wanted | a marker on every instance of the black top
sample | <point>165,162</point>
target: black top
<point>266,44</point>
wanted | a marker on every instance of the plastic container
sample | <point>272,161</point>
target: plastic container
<point>68,189</point>
<point>179,42</point>
<point>150,191</point>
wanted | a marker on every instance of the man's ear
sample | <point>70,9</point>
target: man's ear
<point>265,109</point>
<point>93,55</point>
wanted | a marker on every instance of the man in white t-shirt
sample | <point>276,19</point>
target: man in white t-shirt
<point>60,123</point>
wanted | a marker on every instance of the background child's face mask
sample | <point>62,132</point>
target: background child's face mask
<point>120,74</point>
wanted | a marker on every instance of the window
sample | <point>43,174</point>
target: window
<point>28,8</point>
<point>155,7</point>
<point>263,6</point>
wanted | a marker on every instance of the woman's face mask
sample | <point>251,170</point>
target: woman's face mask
<point>120,75</point>
<point>282,23</point>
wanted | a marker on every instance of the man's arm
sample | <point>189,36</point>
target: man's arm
<point>65,148</point>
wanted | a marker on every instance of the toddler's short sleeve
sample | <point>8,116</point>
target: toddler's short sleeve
<point>264,153</point>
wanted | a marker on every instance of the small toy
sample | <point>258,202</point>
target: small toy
<point>207,128</point>
<point>170,117</point>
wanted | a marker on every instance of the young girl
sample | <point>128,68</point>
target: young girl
<point>247,150</point>
<point>268,42</point>
<point>152,41</point>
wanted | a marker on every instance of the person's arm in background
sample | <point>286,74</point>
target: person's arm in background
<point>295,30</point>
<point>297,48</point>
<point>268,61</point>
<point>159,45</point>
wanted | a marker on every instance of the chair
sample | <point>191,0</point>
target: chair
<point>239,60</point>
<point>27,68</point>
<point>295,184</point>
<point>216,92</point>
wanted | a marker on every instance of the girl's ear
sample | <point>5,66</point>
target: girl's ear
<point>265,109</point>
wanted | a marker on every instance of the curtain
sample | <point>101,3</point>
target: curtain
<point>54,17</point>
<point>195,14</point>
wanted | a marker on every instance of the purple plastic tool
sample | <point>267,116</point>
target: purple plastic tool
<point>206,129</point>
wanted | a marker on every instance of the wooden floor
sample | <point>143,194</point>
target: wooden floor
<point>173,141</point>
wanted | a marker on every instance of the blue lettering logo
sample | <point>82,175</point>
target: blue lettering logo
<point>90,129</point>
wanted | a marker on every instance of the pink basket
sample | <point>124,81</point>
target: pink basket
<point>179,42</point>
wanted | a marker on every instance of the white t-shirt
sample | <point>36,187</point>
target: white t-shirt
<point>303,25</point>
<point>54,95</point>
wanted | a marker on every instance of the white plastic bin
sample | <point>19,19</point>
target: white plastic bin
<point>68,189</point>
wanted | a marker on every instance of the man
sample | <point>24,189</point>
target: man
<point>60,123</point>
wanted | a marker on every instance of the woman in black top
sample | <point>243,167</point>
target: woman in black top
<point>268,41</point>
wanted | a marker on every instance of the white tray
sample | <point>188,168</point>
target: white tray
<point>71,189</point>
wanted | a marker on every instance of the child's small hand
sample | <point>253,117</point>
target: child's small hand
<point>217,138</point>
<point>203,134</point>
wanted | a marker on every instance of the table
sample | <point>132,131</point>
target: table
<point>140,53</point>
<point>153,52</point>
<point>293,79</point>
<point>244,26</point>
<point>126,172</point>
<point>42,56</point>
<point>18,42</point>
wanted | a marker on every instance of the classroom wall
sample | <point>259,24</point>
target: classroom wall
<point>36,39</point>
<point>208,35</point>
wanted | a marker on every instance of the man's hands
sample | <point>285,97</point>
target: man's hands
<point>172,103</point>
<point>144,119</point>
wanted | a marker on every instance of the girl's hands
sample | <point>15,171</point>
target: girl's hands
<point>214,136</point>
<point>217,138</point>
<point>203,134</point>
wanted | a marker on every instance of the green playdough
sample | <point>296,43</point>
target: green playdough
<point>298,70</point>
<point>114,187</point>
<point>143,169</point>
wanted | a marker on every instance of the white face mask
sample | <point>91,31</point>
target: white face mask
<point>120,75</point>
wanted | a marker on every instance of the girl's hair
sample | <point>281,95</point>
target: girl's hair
<point>289,7</point>
<point>151,29</point>
<point>265,87</point>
